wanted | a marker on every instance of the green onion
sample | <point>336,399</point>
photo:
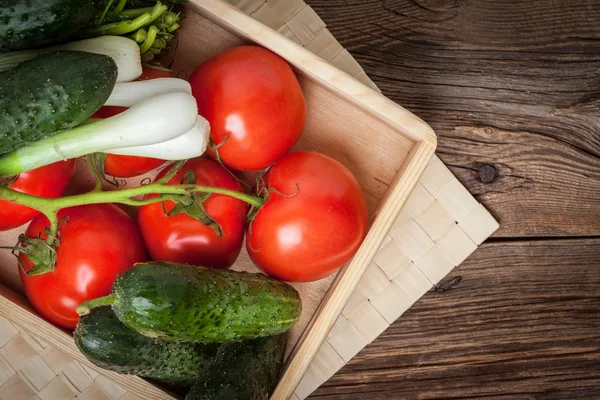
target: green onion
<point>130,93</point>
<point>134,13</point>
<point>155,120</point>
<point>152,32</point>
<point>189,145</point>
<point>124,51</point>
<point>123,27</point>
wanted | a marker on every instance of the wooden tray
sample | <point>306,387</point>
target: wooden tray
<point>385,146</point>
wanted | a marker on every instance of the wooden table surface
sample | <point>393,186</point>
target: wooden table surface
<point>512,87</point>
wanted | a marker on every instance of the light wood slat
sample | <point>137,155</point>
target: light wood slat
<point>30,371</point>
<point>440,226</point>
<point>57,371</point>
<point>306,25</point>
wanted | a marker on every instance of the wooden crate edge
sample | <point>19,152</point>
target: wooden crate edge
<point>351,274</point>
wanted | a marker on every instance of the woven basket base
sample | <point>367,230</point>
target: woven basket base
<point>440,226</point>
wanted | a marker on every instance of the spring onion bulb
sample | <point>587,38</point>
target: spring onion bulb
<point>124,51</point>
<point>155,120</point>
<point>189,145</point>
<point>130,93</point>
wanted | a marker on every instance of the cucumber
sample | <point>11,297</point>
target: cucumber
<point>248,372</point>
<point>33,23</point>
<point>109,344</point>
<point>185,303</point>
<point>52,92</point>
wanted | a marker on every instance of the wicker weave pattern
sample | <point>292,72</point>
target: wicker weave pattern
<point>300,23</point>
<point>440,226</point>
<point>31,369</point>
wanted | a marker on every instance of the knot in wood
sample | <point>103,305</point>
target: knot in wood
<point>488,173</point>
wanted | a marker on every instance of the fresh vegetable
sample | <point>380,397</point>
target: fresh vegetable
<point>131,93</point>
<point>155,120</point>
<point>155,71</point>
<point>214,233</point>
<point>185,303</point>
<point>254,104</point>
<point>34,23</point>
<point>125,162</point>
<point>152,24</point>
<point>250,371</point>
<point>124,52</point>
<point>313,221</point>
<point>125,166</point>
<point>97,242</point>
<point>191,144</point>
<point>109,344</point>
<point>50,93</point>
<point>129,166</point>
<point>49,182</point>
<point>130,196</point>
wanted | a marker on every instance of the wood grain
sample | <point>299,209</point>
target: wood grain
<point>386,147</point>
<point>512,88</point>
<point>522,323</point>
<point>512,84</point>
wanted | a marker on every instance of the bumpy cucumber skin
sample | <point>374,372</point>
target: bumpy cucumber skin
<point>184,303</point>
<point>52,92</point>
<point>34,23</point>
<point>109,344</point>
<point>249,372</point>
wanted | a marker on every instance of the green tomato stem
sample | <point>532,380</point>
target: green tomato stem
<point>97,178</point>
<point>53,218</point>
<point>88,306</point>
<point>174,169</point>
<point>125,196</point>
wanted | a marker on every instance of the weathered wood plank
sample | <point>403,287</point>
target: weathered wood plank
<point>513,90</point>
<point>522,323</point>
<point>511,84</point>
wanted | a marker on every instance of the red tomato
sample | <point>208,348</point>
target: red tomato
<point>108,111</point>
<point>97,242</point>
<point>181,238</point>
<point>306,232</point>
<point>254,104</point>
<point>153,73</point>
<point>130,166</point>
<point>125,166</point>
<point>49,181</point>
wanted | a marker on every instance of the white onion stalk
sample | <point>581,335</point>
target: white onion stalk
<point>124,51</point>
<point>155,120</point>
<point>189,145</point>
<point>130,93</point>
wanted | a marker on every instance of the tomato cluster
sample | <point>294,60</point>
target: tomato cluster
<point>313,219</point>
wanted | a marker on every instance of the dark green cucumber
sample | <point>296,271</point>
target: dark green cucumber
<point>184,303</point>
<point>52,92</point>
<point>33,23</point>
<point>248,372</point>
<point>109,344</point>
